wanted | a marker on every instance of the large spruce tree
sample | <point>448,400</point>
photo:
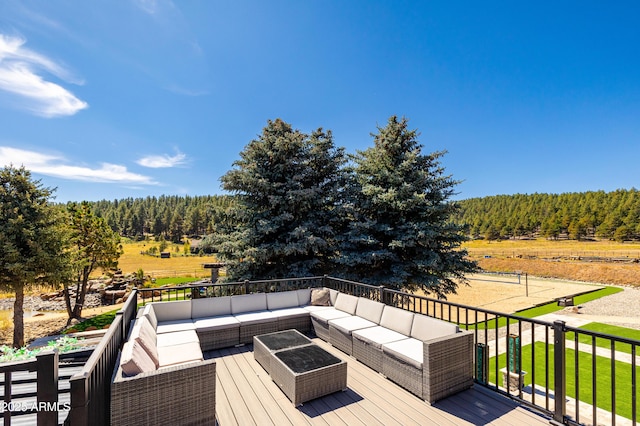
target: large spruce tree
<point>400,234</point>
<point>285,220</point>
<point>33,242</point>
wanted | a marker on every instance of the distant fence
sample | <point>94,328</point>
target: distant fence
<point>174,273</point>
<point>584,255</point>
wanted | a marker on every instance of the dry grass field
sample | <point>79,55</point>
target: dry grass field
<point>177,265</point>
<point>603,262</point>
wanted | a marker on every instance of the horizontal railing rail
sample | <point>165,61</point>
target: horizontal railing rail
<point>208,289</point>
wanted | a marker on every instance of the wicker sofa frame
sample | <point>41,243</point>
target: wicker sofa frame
<point>181,394</point>
<point>447,364</point>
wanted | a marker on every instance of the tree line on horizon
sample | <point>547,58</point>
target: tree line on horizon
<point>579,216</point>
<point>167,217</point>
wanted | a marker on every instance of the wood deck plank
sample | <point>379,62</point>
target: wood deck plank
<point>247,395</point>
<point>234,397</point>
<point>272,400</point>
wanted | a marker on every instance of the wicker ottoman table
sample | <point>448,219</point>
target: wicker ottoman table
<point>303,372</point>
<point>266,344</point>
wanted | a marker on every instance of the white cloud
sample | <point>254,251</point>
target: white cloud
<point>160,161</point>
<point>57,166</point>
<point>19,77</point>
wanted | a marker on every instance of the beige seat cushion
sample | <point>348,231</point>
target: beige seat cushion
<point>179,354</point>
<point>347,325</point>
<point>177,338</point>
<point>410,351</point>
<point>377,336</point>
<point>323,316</point>
<point>174,326</point>
<point>223,322</point>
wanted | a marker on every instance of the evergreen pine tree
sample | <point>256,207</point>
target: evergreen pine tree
<point>400,234</point>
<point>33,241</point>
<point>283,223</point>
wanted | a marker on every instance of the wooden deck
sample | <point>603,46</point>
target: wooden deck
<point>245,395</point>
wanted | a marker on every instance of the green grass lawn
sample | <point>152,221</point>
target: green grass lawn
<point>99,322</point>
<point>546,308</point>
<point>173,281</point>
<point>585,375</point>
<point>614,330</point>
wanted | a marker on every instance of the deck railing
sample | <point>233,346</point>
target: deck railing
<point>91,387</point>
<point>573,375</point>
<point>46,405</point>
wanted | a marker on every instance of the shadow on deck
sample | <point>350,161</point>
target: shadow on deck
<point>245,395</point>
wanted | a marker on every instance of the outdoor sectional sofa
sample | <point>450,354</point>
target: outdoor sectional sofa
<point>429,357</point>
<point>162,367</point>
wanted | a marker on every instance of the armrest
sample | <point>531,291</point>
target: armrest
<point>447,365</point>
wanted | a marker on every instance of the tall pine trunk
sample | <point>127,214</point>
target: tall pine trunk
<point>18,317</point>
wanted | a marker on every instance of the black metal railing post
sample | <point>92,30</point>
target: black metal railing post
<point>559,373</point>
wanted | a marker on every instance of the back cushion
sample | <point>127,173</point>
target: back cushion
<point>150,313</point>
<point>346,303</point>
<point>397,319</point>
<point>427,328</point>
<point>333,295</point>
<point>248,303</point>
<point>369,309</point>
<point>145,335</point>
<point>304,296</point>
<point>135,360</point>
<point>210,307</point>
<point>172,311</point>
<point>281,300</point>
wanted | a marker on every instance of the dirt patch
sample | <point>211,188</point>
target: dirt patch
<point>48,324</point>
<point>505,294</point>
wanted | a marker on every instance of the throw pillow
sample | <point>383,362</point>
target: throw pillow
<point>320,297</point>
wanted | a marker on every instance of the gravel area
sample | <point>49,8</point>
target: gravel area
<point>35,303</point>
<point>617,307</point>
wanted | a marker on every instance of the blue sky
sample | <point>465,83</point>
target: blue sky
<point>128,98</point>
